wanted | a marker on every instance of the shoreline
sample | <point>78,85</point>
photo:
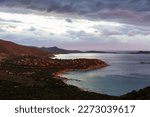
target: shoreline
<point>48,81</point>
<point>58,74</point>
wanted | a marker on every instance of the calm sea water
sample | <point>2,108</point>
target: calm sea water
<point>124,74</point>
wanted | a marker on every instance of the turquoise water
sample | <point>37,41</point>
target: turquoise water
<point>124,74</point>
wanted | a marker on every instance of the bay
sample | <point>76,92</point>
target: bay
<point>124,74</point>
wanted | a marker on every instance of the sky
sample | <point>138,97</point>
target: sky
<point>77,24</point>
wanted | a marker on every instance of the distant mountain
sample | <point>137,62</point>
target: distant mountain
<point>94,51</point>
<point>56,50</point>
<point>8,48</point>
<point>135,52</point>
<point>143,52</point>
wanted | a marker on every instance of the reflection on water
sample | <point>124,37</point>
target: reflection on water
<point>124,74</point>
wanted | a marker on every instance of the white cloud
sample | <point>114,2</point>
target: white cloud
<point>50,24</point>
<point>54,29</point>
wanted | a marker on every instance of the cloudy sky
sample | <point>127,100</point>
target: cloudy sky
<point>77,24</point>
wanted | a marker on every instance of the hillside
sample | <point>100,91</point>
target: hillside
<point>9,48</point>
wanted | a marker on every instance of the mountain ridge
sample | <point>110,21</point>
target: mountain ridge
<point>57,50</point>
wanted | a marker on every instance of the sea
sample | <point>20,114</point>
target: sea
<point>124,74</point>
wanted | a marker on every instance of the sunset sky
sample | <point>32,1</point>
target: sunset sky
<point>77,24</point>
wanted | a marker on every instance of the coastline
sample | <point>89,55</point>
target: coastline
<point>58,74</point>
<point>42,72</point>
<point>48,83</point>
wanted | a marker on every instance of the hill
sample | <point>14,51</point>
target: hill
<point>56,50</point>
<point>8,48</point>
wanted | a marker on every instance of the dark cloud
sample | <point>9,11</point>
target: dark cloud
<point>128,11</point>
<point>69,20</point>
<point>80,6</point>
